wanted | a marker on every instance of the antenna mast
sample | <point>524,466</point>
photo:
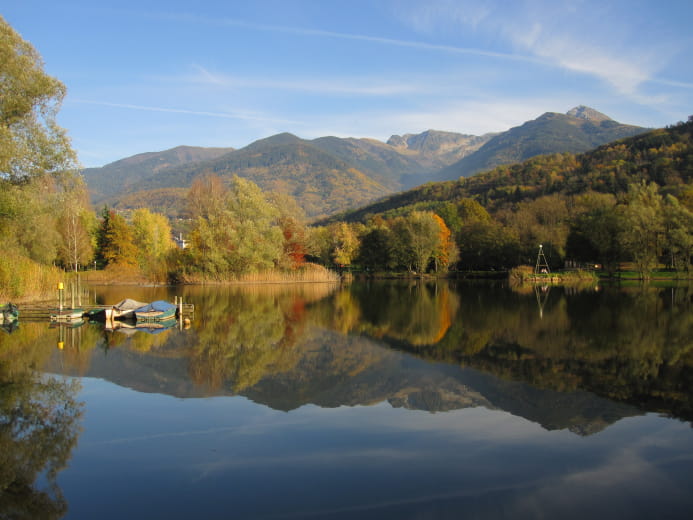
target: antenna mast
<point>542,266</point>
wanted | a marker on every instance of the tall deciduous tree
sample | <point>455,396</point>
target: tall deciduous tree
<point>643,226</point>
<point>345,243</point>
<point>31,142</point>
<point>291,221</point>
<point>207,196</point>
<point>446,251</point>
<point>425,237</point>
<point>152,236</point>
<point>401,252</point>
<point>375,250</point>
<point>241,236</point>
<point>74,224</point>
<point>678,234</point>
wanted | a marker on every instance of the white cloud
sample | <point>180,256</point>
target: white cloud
<point>587,38</point>
<point>568,51</point>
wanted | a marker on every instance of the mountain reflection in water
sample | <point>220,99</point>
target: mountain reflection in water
<point>407,400</point>
<point>579,360</point>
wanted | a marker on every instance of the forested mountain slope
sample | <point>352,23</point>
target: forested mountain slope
<point>663,156</point>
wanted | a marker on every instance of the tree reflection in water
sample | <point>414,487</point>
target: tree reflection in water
<point>39,426</point>
<point>632,346</point>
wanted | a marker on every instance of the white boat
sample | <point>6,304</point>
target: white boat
<point>125,309</point>
<point>67,314</point>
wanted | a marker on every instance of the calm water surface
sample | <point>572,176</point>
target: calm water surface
<point>383,400</point>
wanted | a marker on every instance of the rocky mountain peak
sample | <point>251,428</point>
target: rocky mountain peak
<point>588,114</point>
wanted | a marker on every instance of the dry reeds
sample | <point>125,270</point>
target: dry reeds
<point>307,273</point>
<point>22,279</point>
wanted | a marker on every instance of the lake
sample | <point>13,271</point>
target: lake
<point>373,400</point>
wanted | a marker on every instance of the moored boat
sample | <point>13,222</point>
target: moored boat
<point>159,310</point>
<point>9,313</point>
<point>126,308</point>
<point>67,314</point>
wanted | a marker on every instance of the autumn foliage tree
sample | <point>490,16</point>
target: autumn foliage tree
<point>151,233</point>
<point>238,233</point>
<point>115,241</point>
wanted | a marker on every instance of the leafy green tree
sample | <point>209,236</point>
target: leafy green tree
<point>487,245</point>
<point>38,168</point>
<point>345,243</point>
<point>469,210</point>
<point>401,251</point>
<point>31,142</point>
<point>30,219</point>
<point>241,236</point>
<point>450,213</point>
<point>595,232</point>
<point>425,236</point>
<point>678,234</point>
<point>151,235</point>
<point>320,244</point>
<point>375,248</point>
<point>643,227</point>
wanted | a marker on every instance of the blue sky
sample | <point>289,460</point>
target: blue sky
<point>150,75</point>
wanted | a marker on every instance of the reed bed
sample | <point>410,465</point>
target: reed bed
<point>22,279</point>
<point>307,273</point>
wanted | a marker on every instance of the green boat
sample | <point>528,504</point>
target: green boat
<point>66,314</point>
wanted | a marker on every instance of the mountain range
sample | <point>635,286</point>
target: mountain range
<point>328,175</point>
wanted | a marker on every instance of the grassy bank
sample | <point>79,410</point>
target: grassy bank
<point>662,276</point>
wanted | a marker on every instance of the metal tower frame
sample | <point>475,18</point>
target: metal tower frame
<point>542,266</point>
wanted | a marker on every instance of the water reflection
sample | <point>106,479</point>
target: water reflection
<point>39,427</point>
<point>528,396</point>
<point>327,345</point>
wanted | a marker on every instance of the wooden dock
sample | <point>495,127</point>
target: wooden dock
<point>44,312</point>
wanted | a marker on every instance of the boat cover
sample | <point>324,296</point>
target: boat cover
<point>128,305</point>
<point>157,306</point>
